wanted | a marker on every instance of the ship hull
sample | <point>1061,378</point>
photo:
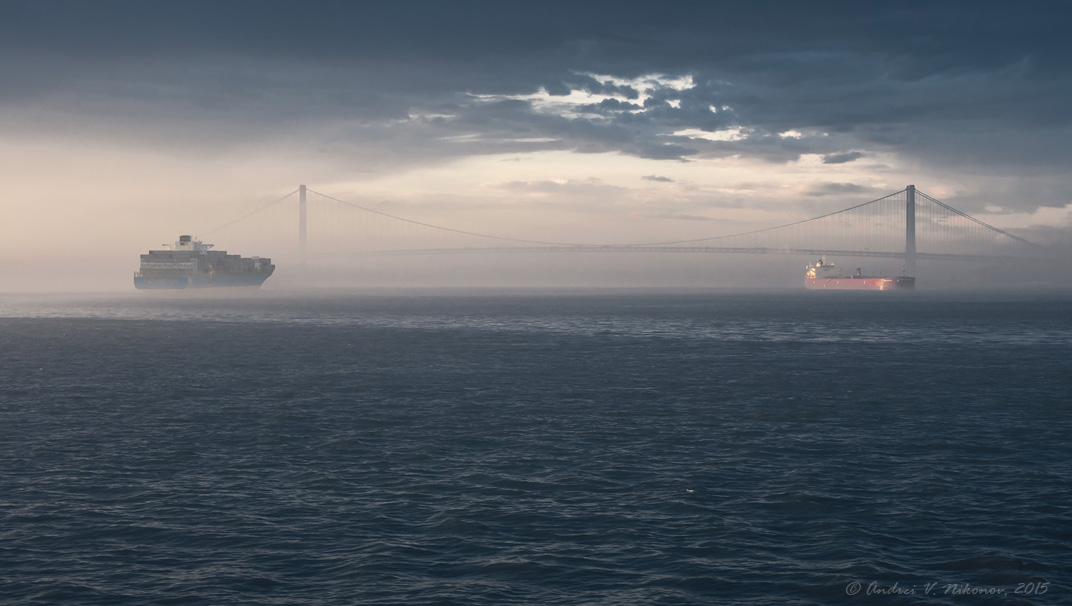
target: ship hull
<point>200,281</point>
<point>861,283</point>
<point>189,264</point>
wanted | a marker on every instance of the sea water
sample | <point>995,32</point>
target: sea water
<point>536,448</point>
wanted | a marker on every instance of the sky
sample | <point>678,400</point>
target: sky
<point>126,122</point>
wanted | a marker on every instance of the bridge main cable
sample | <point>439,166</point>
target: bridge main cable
<point>979,222</point>
<point>450,229</point>
<point>575,245</point>
<point>766,229</point>
<point>250,214</point>
<point>604,246</point>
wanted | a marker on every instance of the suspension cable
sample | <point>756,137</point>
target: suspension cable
<point>765,229</point>
<point>520,240</point>
<point>978,222</point>
<point>457,231</point>
<point>250,214</point>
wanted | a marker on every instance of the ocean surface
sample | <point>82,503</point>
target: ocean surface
<point>513,447</point>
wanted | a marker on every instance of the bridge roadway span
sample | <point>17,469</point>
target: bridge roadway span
<point>813,252</point>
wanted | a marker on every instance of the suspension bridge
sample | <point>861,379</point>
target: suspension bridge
<point>908,225</point>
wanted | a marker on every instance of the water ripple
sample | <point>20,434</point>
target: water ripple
<point>568,450</point>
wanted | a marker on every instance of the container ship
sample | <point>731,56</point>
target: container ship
<point>823,275</point>
<point>190,264</point>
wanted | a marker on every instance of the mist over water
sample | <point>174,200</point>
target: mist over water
<point>547,270</point>
<point>519,447</point>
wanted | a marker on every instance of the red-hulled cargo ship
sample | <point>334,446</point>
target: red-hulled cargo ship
<point>823,275</point>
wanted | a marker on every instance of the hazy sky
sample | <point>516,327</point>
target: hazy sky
<point>536,119</point>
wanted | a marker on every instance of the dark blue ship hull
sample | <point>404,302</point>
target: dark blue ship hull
<point>206,281</point>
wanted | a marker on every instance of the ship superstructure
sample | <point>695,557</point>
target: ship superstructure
<point>189,263</point>
<point>824,275</point>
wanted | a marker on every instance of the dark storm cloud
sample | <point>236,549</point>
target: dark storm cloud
<point>842,158</point>
<point>661,151</point>
<point>609,107</point>
<point>975,86</point>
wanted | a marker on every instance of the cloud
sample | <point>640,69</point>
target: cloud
<point>564,187</point>
<point>653,150</point>
<point>971,87</point>
<point>657,178</point>
<point>842,158</point>
<point>836,189</point>
<point>683,217</point>
<point>608,106</point>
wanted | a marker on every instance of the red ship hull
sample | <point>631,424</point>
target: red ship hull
<point>861,283</point>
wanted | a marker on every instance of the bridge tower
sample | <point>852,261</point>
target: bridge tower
<point>302,225</point>
<point>910,230</point>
